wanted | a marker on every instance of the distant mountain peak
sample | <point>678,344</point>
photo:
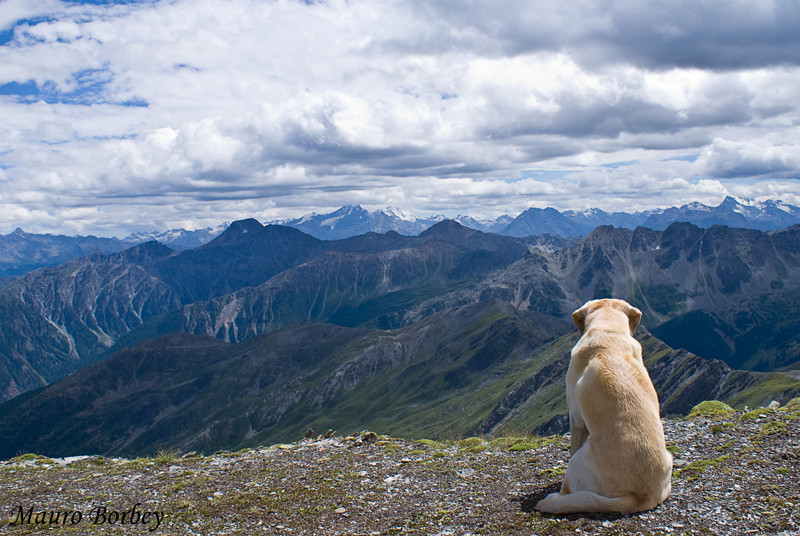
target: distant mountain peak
<point>737,200</point>
<point>354,220</point>
<point>446,228</point>
<point>236,231</point>
<point>245,226</point>
<point>743,201</point>
<point>399,213</point>
<point>697,206</point>
<point>180,239</point>
<point>349,211</point>
<point>539,221</point>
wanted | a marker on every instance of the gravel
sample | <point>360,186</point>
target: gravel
<point>736,473</point>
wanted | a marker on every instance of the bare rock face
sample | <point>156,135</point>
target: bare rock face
<point>57,320</point>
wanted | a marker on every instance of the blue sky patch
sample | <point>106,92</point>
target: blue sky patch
<point>617,165</point>
<point>6,36</point>
<point>685,158</point>
<point>91,89</point>
<point>21,90</point>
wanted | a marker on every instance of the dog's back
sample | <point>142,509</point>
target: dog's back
<point>620,408</point>
<point>619,461</point>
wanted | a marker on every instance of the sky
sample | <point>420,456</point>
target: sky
<point>141,115</point>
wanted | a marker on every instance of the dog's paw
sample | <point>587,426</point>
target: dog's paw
<point>542,505</point>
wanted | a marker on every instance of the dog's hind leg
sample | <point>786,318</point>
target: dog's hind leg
<point>587,501</point>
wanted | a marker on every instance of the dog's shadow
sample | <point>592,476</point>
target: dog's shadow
<point>528,505</point>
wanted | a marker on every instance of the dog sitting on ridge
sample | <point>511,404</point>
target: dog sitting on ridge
<point>618,457</point>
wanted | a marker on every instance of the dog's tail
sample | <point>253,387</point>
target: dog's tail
<point>589,501</point>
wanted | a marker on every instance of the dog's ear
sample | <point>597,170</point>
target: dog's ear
<point>634,315</point>
<point>579,317</point>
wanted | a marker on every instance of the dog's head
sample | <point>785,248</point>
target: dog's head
<point>606,308</point>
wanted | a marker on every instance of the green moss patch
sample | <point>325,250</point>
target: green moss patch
<point>711,408</point>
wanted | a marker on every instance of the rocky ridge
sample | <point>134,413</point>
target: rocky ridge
<point>718,293</point>
<point>735,473</point>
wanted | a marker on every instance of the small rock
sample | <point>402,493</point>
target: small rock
<point>392,479</point>
<point>369,437</point>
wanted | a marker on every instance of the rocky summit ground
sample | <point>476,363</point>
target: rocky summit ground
<point>735,473</point>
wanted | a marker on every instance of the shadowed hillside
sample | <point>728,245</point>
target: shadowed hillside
<point>483,369</point>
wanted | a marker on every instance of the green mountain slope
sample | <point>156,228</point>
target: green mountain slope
<point>481,369</point>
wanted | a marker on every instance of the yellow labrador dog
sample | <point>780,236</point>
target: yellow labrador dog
<point>618,458</point>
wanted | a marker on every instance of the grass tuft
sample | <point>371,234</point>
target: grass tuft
<point>710,408</point>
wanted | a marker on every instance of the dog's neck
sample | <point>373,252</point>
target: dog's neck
<point>607,320</point>
<point>602,329</point>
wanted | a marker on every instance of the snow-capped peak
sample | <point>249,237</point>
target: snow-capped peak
<point>400,214</point>
<point>698,206</point>
<point>305,218</point>
<point>744,201</point>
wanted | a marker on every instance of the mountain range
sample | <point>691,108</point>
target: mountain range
<point>719,292</point>
<point>733,212</point>
<point>724,293</point>
<point>21,252</point>
<point>266,329</point>
<point>56,320</point>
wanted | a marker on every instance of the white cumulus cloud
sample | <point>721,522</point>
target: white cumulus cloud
<point>121,117</point>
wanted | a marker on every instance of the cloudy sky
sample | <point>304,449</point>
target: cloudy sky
<point>121,116</point>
